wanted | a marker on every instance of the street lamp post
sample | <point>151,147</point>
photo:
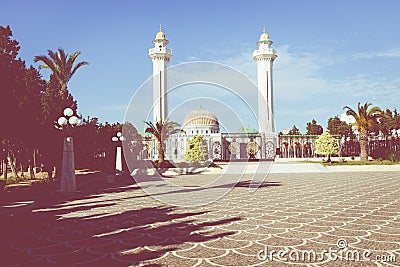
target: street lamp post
<point>68,180</point>
<point>118,158</point>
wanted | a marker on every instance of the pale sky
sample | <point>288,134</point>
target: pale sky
<point>330,53</point>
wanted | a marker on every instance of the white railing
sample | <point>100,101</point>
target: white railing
<point>160,50</point>
<point>264,51</point>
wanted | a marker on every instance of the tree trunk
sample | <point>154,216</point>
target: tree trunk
<point>31,172</point>
<point>12,165</point>
<point>22,170</point>
<point>3,182</point>
<point>329,158</point>
<point>34,160</point>
<point>363,145</point>
<point>4,162</point>
<point>64,91</point>
<point>160,153</point>
<point>49,170</point>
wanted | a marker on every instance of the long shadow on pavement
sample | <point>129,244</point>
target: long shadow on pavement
<point>101,226</point>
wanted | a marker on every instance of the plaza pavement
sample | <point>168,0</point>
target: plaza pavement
<point>294,209</point>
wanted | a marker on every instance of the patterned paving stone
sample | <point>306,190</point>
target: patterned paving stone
<point>235,259</point>
<point>369,226</point>
<point>266,231</point>
<point>71,258</point>
<point>105,260</point>
<point>224,243</point>
<point>12,258</point>
<point>172,260</point>
<point>201,252</point>
<point>58,249</point>
<point>298,234</point>
<point>122,226</point>
<point>278,241</point>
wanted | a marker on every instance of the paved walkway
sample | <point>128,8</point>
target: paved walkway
<point>117,224</point>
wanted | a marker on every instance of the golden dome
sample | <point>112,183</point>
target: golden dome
<point>200,117</point>
<point>264,37</point>
<point>160,35</point>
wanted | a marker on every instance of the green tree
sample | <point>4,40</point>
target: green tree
<point>20,110</point>
<point>197,149</point>
<point>396,118</point>
<point>338,127</point>
<point>161,131</point>
<point>326,145</point>
<point>62,66</point>
<point>32,113</point>
<point>54,102</point>
<point>313,128</point>
<point>294,131</point>
<point>133,142</point>
<point>365,116</point>
<point>11,86</point>
<point>94,148</point>
<point>385,123</point>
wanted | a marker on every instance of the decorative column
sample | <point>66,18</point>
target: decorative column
<point>160,56</point>
<point>264,57</point>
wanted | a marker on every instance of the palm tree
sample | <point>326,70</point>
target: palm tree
<point>364,119</point>
<point>62,66</point>
<point>161,131</point>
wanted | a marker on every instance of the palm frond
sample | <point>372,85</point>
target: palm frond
<point>48,63</point>
<point>76,67</point>
<point>72,58</point>
<point>365,115</point>
<point>61,64</point>
<point>375,111</point>
<point>351,112</point>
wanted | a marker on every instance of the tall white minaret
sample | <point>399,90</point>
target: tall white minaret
<point>265,56</point>
<point>160,56</point>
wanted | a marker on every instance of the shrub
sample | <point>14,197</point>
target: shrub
<point>197,149</point>
<point>394,156</point>
<point>380,153</point>
<point>385,153</point>
<point>214,165</point>
<point>326,145</point>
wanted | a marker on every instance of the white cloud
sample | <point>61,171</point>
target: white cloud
<point>389,53</point>
<point>381,91</point>
<point>305,112</point>
<point>295,75</point>
<point>298,77</point>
